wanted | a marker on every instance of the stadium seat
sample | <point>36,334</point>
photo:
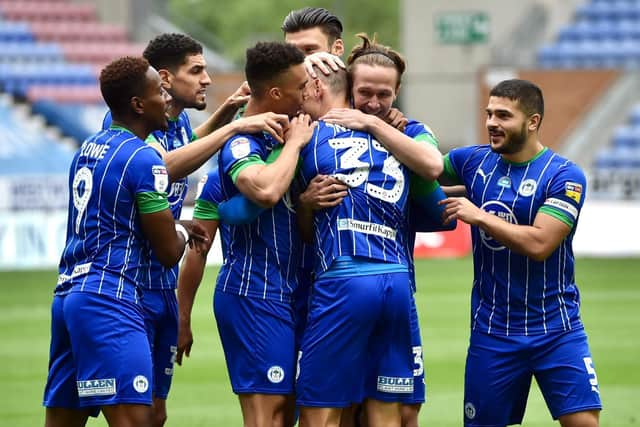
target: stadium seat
<point>15,32</point>
<point>30,10</point>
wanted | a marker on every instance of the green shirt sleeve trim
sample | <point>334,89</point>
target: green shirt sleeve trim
<point>449,172</point>
<point>193,135</point>
<point>273,156</point>
<point>206,210</point>
<point>151,139</point>
<point>152,202</point>
<point>418,186</point>
<point>242,164</point>
<point>557,215</point>
<point>425,137</point>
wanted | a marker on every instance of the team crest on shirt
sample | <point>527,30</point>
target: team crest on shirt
<point>160,178</point>
<point>502,211</point>
<point>527,187</point>
<point>275,374</point>
<point>573,190</point>
<point>240,148</point>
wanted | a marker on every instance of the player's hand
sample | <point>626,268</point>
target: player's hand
<point>199,239</point>
<point>323,191</point>
<point>349,118</point>
<point>300,130</point>
<point>240,96</point>
<point>326,62</point>
<point>396,119</point>
<point>185,340</point>
<point>461,208</point>
<point>272,123</point>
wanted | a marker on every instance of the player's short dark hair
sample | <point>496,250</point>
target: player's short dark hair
<point>311,17</point>
<point>121,80</point>
<point>370,52</point>
<point>527,94</point>
<point>267,61</point>
<point>170,50</point>
<point>337,81</point>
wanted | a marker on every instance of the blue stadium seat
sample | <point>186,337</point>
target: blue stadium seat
<point>25,52</point>
<point>634,117</point>
<point>15,32</point>
<point>627,137</point>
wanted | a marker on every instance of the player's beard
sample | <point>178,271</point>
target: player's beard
<point>513,142</point>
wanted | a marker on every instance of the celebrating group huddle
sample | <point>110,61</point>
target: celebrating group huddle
<point>319,190</point>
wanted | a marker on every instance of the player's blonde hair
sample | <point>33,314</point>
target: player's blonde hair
<point>370,52</point>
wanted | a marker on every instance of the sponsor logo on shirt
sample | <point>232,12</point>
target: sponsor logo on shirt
<point>240,148</point>
<point>366,228</point>
<point>395,384</point>
<point>527,187</point>
<point>573,190</point>
<point>505,182</point>
<point>160,178</point>
<point>502,211</point>
<point>78,270</point>
<point>97,387</point>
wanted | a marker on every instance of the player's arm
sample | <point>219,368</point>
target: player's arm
<point>428,214</point>
<point>190,276</point>
<point>183,161</point>
<point>423,159</point>
<point>265,184</point>
<point>536,241</point>
<point>225,112</point>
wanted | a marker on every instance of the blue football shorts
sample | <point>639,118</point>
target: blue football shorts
<point>99,353</point>
<point>301,303</point>
<point>357,344</point>
<point>499,371</point>
<point>161,322</point>
<point>258,339</point>
<point>419,386</point>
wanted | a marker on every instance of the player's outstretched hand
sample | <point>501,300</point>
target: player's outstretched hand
<point>199,239</point>
<point>396,119</point>
<point>300,130</point>
<point>461,208</point>
<point>272,123</point>
<point>326,62</point>
<point>240,96</point>
<point>185,340</point>
<point>349,118</point>
<point>323,191</point>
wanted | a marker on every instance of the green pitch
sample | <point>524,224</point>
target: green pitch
<point>201,395</point>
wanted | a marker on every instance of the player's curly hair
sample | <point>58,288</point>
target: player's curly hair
<point>121,80</point>
<point>527,94</point>
<point>370,52</point>
<point>267,61</point>
<point>170,50</point>
<point>311,17</point>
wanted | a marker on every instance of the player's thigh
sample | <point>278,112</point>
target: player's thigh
<point>128,415</point>
<point>257,337</point>
<point>264,409</point>
<point>497,381</point>
<point>566,374</point>
<point>64,417</point>
<point>111,350</point>
<point>333,359</point>
<point>581,419</point>
<point>161,324</point>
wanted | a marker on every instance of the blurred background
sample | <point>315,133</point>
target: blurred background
<point>584,54</point>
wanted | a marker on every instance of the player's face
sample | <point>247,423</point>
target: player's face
<point>292,91</point>
<point>313,40</point>
<point>156,101</point>
<point>188,86</point>
<point>374,88</point>
<point>507,125</point>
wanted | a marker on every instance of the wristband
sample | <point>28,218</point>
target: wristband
<point>183,231</point>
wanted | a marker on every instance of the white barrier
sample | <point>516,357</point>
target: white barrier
<point>35,239</point>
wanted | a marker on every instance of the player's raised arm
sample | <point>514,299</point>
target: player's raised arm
<point>225,112</point>
<point>265,184</point>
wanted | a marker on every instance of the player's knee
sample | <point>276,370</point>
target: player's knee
<point>159,419</point>
<point>409,415</point>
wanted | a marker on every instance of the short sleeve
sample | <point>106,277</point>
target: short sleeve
<point>148,180</point>
<point>565,195</point>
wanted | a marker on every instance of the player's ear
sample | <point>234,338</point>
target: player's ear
<point>534,122</point>
<point>275,93</point>
<point>137,105</point>
<point>337,48</point>
<point>166,77</point>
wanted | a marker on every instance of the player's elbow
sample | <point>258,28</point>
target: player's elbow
<point>432,169</point>
<point>539,252</point>
<point>168,254</point>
